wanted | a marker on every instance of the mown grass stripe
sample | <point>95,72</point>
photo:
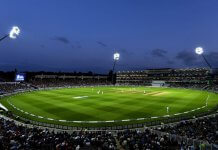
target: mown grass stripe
<point>112,105</point>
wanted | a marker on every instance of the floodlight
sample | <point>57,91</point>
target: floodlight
<point>15,31</point>
<point>199,50</point>
<point>116,56</point>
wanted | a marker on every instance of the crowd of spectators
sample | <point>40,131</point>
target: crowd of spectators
<point>12,87</point>
<point>19,137</point>
<point>189,85</point>
<point>63,83</point>
<point>205,129</point>
<point>9,87</point>
<point>15,137</point>
<point>191,75</point>
<point>138,140</point>
<point>214,88</point>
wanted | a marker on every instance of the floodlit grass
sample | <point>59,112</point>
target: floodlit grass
<point>115,103</point>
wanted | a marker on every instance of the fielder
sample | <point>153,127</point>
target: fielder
<point>168,110</point>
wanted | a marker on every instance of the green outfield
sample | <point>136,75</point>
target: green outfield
<point>119,104</point>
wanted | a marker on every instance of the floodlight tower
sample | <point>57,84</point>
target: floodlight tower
<point>200,51</point>
<point>15,31</point>
<point>116,58</point>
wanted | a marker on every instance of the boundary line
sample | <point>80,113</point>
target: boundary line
<point>125,120</point>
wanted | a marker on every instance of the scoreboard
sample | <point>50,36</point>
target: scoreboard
<point>19,77</point>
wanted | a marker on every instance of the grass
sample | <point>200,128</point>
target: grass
<point>116,103</point>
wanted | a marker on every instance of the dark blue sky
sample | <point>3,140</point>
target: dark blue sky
<point>81,35</point>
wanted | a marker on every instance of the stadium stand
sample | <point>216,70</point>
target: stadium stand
<point>201,129</point>
<point>21,137</point>
<point>8,87</point>
<point>138,140</point>
<point>16,137</point>
<point>188,78</point>
<point>63,80</point>
<point>197,77</point>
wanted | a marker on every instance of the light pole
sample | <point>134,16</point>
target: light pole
<point>15,31</point>
<point>200,51</point>
<point>116,58</point>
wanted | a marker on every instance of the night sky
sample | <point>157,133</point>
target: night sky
<point>82,35</point>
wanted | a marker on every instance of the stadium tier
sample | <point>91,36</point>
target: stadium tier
<point>202,129</point>
<point>16,137</point>
<point>199,77</point>
<point>13,136</point>
<point>67,80</point>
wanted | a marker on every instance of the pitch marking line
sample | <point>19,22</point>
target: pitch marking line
<point>161,93</point>
<point>62,120</point>
<point>152,93</point>
<point>3,107</point>
<point>77,121</point>
<point>110,121</point>
<point>140,118</point>
<point>93,121</point>
<point>80,97</point>
<point>126,120</point>
<point>153,117</point>
<point>32,115</point>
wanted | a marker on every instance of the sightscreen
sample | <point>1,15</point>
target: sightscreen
<point>20,77</point>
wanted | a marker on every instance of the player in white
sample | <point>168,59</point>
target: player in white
<point>168,110</point>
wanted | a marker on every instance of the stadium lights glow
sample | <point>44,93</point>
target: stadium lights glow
<point>15,31</point>
<point>116,56</point>
<point>199,50</point>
